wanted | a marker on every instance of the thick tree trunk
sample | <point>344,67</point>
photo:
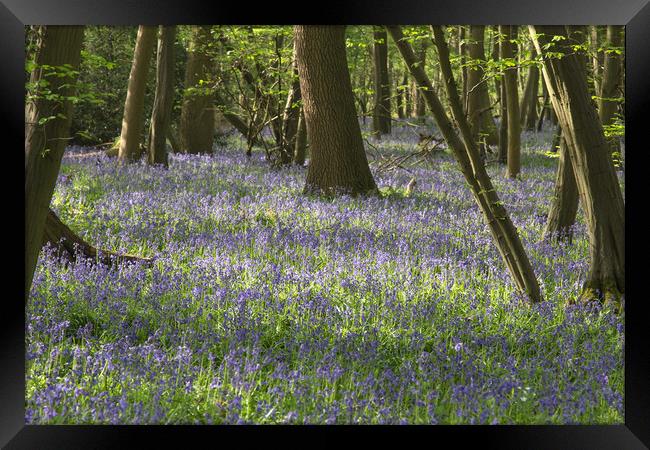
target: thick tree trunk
<point>600,193</point>
<point>503,231</point>
<point>164,98</point>
<point>197,112</point>
<point>381,121</point>
<point>478,102</point>
<point>562,214</point>
<point>338,160</point>
<point>45,138</point>
<point>611,81</point>
<point>133,120</point>
<point>512,100</point>
<point>70,245</point>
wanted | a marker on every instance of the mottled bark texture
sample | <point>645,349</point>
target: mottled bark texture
<point>503,231</point>
<point>45,142</point>
<point>164,97</point>
<point>512,100</point>
<point>600,193</point>
<point>197,111</point>
<point>338,162</point>
<point>301,141</point>
<point>381,118</point>
<point>133,118</point>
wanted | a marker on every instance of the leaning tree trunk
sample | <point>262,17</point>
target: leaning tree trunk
<point>164,97</point>
<point>512,100</point>
<point>381,119</point>
<point>503,231</point>
<point>564,207</point>
<point>133,119</point>
<point>47,124</point>
<point>197,111</point>
<point>600,193</point>
<point>607,106</point>
<point>338,160</point>
<point>478,102</point>
<point>419,105</point>
<point>69,245</point>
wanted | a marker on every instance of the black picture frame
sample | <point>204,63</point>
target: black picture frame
<point>635,14</point>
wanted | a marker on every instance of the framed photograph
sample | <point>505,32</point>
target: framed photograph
<point>376,220</point>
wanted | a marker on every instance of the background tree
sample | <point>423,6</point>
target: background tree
<point>48,114</point>
<point>600,193</point>
<point>381,119</point>
<point>612,80</point>
<point>338,160</point>
<point>197,113</point>
<point>512,101</point>
<point>163,101</point>
<point>133,120</point>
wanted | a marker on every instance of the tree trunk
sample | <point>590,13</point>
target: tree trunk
<point>301,141</point>
<point>291,115</point>
<point>381,121</point>
<point>338,160</point>
<point>164,98</point>
<point>600,194</point>
<point>562,214</point>
<point>528,107</point>
<point>462,49</point>
<point>420,106</point>
<point>611,81</point>
<point>503,231</point>
<point>133,120</point>
<point>69,245</point>
<point>478,102</point>
<point>597,59</point>
<point>197,112</point>
<point>512,99</point>
<point>45,138</point>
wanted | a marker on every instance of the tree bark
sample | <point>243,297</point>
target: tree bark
<point>600,194</point>
<point>611,82</point>
<point>528,107</point>
<point>291,115</point>
<point>564,207</point>
<point>478,102</point>
<point>197,111</point>
<point>503,231</point>
<point>381,121</point>
<point>133,120</point>
<point>45,138</point>
<point>164,97</point>
<point>512,99</point>
<point>338,161</point>
<point>420,106</point>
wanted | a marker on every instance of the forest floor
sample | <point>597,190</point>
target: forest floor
<point>265,305</point>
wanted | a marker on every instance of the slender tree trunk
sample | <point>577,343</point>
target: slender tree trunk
<point>45,138</point>
<point>197,112</point>
<point>338,160</point>
<point>512,99</point>
<point>133,121</point>
<point>528,106</point>
<point>420,106</point>
<point>478,102</point>
<point>562,214</point>
<point>611,80</point>
<point>164,98</point>
<point>600,193</point>
<point>382,112</point>
<point>597,59</point>
<point>545,106</point>
<point>503,126</point>
<point>462,50</point>
<point>291,115</point>
<point>301,141</point>
<point>503,231</point>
